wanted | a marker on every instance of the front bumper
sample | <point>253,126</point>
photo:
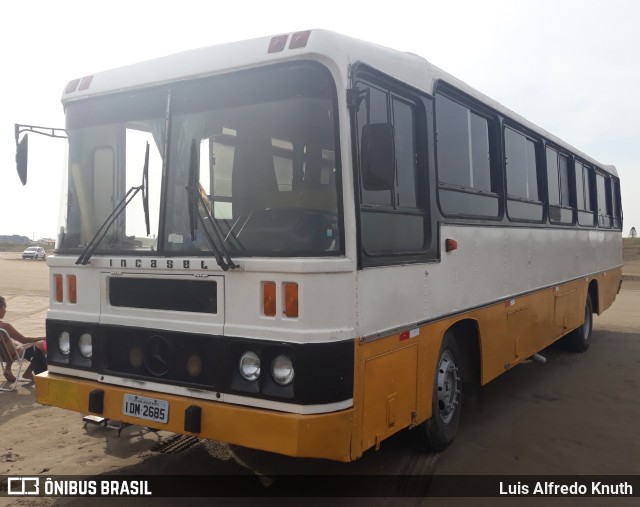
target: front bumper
<point>316,435</point>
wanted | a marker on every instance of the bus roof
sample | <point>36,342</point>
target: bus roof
<point>322,45</point>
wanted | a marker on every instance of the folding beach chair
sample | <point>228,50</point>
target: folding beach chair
<point>11,351</point>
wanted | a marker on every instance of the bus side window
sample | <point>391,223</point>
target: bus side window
<point>559,192</point>
<point>583,194</point>
<point>615,201</point>
<point>468,182</point>
<point>565,187</point>
<point>394,220</point>
<point>522,177</point>
<point>603,195</point>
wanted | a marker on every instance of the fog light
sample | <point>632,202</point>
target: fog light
<point>282,370</point>
<point>64,343</point>
<point>136,357</point>
<point>250,366</point>
<point>85,345</point>
<point>194,365</point>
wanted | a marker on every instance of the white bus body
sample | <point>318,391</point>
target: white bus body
<point>363,329</point>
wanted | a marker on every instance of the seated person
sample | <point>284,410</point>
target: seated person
<point>34,354</point>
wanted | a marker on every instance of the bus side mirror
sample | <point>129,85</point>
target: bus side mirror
<point>22,152</point>
<point>377,156</point>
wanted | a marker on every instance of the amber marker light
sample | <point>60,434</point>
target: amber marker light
<point>71,286</point>
<point>291,299</point>
<point>269,299</point>
<point>57,280</point>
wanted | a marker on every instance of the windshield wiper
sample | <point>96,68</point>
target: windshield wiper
<point>85,256</point>
<point>223,258</point>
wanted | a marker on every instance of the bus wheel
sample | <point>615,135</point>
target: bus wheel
<point>579,339</point>
<point>446,404</point>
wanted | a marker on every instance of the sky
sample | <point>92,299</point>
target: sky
<point>570,66</point>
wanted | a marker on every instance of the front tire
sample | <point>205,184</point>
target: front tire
<point>446,404</point>
<point>579,339</point>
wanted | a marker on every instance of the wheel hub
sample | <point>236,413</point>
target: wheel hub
<point>448,387</point>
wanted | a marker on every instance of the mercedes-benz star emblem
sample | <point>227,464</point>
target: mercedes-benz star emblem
<point>157,355</point>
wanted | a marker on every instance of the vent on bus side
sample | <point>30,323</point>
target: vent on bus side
<point>198,296</point>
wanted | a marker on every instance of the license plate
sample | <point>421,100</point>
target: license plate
<point>142,407</point>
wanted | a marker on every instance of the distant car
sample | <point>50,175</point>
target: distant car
<point>34,252</point>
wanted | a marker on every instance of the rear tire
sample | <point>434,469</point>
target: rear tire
<point>579,339</point>
<point>439,431</point>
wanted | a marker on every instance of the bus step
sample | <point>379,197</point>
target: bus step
<point>95,420</point>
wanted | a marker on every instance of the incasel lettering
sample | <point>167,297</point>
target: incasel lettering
<point>157,264</point>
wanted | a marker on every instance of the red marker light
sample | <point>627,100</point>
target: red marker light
<point>278,43</point>
<point>299,39</point>
<point>451,244</point>
<point>86,81</point>
<point>72,86</point>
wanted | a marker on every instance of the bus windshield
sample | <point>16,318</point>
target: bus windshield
<point>250,167</point>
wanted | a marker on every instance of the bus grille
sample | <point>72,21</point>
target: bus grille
<point>162,356</point>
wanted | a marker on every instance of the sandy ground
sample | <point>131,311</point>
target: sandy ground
<point>578,414</point>
<point>632,268</point>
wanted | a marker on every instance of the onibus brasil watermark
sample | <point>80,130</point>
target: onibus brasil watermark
<point>41,486</point>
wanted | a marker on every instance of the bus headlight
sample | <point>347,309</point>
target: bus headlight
<point>85,345</point>
<point>64,343</point>
<point>282,370</point>
<point>250,366</point>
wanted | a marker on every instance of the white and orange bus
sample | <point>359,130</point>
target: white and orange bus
<point>307,243</point>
